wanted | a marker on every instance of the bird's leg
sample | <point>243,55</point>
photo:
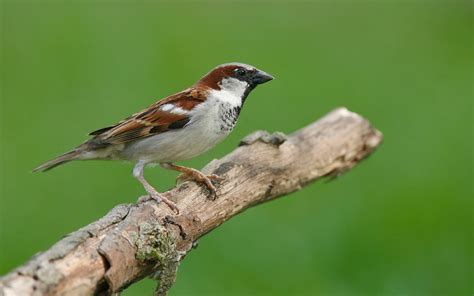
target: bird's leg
<point>194,175</point>
<point>138,174</point>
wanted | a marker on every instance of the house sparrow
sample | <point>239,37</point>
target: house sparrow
<point>175,128</point>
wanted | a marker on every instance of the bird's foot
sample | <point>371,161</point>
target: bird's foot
<point>195,175</point>
<point>154,195</point>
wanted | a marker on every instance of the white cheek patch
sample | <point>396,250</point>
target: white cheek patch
<point>228,97</point>
<point>234,86</point>
<point>173,109</point>
<point>231,92</point>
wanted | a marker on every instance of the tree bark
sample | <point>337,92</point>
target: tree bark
<point>147,239</point>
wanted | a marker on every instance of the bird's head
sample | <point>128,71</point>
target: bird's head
<point>235,78</point>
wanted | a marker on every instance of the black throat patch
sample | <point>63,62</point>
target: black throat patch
<point>228,116</point>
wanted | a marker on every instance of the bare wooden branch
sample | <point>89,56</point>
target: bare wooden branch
<point>146,239</point>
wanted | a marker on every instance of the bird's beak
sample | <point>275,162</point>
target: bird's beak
<point>261,77</point>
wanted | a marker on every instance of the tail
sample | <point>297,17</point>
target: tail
<point>66,157</point>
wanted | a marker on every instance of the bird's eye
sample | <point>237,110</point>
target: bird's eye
<point>240,72</point>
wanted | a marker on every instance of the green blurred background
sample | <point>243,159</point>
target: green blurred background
<point>400,223</point>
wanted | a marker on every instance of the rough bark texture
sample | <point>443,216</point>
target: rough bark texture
<point>147,239</point>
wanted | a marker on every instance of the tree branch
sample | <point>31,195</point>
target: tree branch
<point>147,239</point>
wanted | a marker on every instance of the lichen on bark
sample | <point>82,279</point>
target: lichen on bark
<point>157,244</point>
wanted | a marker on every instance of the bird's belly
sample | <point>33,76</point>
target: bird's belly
<point>211,122</point>
<point>174,145</point>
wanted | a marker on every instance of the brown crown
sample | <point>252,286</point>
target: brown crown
<point>216,75</point>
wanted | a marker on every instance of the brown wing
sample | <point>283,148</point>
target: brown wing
<point>152,120</point>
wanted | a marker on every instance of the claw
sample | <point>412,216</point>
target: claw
<point>152,193</point>
<point>206,180</point>
<point>143,198</point>
<point>215,177</point>
<point>155,196</point>
<point>193,174</point>
<point>200,178</point>
<point>159,198</point>
<point>171,205</point>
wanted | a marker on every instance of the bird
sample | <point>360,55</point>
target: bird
<point>175,128</point>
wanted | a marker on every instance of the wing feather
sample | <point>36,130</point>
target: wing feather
<point>152,120</point>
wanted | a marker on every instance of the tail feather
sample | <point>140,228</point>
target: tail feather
<point>66,157</point>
